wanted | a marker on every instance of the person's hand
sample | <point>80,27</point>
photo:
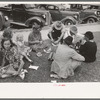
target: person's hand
<point>15,73</point>
<point>56,42</point>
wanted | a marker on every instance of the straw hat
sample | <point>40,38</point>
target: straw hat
<point>73,29</point>
<point>58,25</point>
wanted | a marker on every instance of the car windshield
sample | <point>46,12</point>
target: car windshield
<point>29,6</point>
<point>79,6</point>
<point>94,7</point>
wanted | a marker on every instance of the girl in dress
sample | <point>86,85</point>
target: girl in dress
<point>22,48</point>
<point>11,61</point>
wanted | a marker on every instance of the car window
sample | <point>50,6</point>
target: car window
<point>42,7</point>
<point>77,6</point>
<point>73,6</point>
<point>51,7</point>
<point>18,7</point>
<point>94,7</point>
<point>29,6</point>
<point>56,8</point>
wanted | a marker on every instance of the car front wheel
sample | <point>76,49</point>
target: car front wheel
<point>91,20</point>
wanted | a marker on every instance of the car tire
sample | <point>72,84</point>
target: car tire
<point>2,21</point>
<point>68,22</point>
<point>91,20</point>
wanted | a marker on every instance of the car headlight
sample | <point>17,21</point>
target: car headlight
<point>95,12</point>
<point>6,18</point>
<point>44,16</point>
<point>76,16</point>
<point>98,12</point>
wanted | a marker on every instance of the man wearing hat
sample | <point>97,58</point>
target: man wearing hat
<point>73,32</point>
<point>57,32</point>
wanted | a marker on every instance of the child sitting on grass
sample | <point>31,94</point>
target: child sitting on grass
<point>35,39</point>
<point>23,50</point>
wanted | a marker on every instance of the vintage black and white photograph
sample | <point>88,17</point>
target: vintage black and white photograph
<point>49,42</point>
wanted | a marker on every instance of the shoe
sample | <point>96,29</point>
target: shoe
<point>54,76</point>
<point>47,51</point>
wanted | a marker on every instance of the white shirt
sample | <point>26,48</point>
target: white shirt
<point>76,38</point>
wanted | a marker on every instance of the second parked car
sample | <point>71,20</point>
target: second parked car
<point>59,13</point>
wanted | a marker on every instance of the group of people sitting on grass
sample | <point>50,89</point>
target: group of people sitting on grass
<point>67,48</point>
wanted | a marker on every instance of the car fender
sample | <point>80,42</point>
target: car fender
<point>91,16</point>
<point>28,22</point>
<point>2,21</point>
<point>69,18</point>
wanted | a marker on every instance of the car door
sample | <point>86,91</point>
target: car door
<point>18,13</point>
<point>55,13</point>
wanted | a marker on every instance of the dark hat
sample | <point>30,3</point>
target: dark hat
<point>7,33</point>
<point>73,29</point>
<point>68,40</point>
<point>89,35</point>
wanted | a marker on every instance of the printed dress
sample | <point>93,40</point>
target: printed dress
<point>10,62</point>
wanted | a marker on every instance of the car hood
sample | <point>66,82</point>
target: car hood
<point>70,12</point>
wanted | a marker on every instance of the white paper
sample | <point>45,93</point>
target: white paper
<point>33,67</point>
<point>53,81</point>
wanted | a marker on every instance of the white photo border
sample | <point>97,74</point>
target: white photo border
<point>50,90</point>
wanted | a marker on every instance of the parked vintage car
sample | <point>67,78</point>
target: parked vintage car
<point>77,13</point>
<point>24,14</point>
<point>88,13</point>
<point>57,13</point>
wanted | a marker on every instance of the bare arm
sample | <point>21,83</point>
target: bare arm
<point>20,66</point>
<point>50,35</point>
<point>19,61</point>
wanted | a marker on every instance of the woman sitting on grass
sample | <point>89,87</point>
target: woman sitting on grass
<point>66,60</point>
<point>89,48</point>
<point>11,64</point>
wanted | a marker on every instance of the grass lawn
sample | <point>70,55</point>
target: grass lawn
<point>87,72</point>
